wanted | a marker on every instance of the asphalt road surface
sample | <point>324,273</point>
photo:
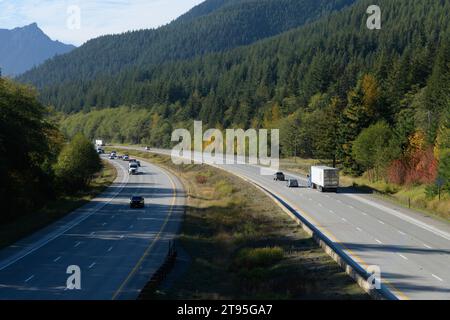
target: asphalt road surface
<point>116,248</point>
<point>411,249</point>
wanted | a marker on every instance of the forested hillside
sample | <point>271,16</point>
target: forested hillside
<point>328,85</point>
<point>213,26</point>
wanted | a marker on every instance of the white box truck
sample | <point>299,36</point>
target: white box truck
<point>99,143</point>
<point>324,178</point>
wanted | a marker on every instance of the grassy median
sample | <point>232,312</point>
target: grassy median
<point>243,246</point>
<point>56,209</point>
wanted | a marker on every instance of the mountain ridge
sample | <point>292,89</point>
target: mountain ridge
<point>25,47</point>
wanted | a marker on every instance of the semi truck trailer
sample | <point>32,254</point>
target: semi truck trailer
<point>324,178</point>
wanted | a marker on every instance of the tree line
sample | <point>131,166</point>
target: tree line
<point>37,164</point>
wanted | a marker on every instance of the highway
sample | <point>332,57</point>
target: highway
<point>116,248</point>
<point>411,249</point>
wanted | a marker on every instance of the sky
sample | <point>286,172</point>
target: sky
<point>76,21</point>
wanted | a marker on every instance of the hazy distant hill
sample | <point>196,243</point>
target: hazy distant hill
<point>26,47</point>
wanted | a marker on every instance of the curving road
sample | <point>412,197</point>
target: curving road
<point>411,249</point>
<point>117,249</point>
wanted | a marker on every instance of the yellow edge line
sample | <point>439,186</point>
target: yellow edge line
<point>150,247</point>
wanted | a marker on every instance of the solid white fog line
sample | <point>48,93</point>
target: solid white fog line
<point>66,228</point>
<point>402,216</point>
<point>29,278</point>
<point>57,259</point>
<point>436,277</point>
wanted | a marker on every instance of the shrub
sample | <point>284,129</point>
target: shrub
<point>251,258</point>
<point>77,164</point>
<point>223,189</point>
<point>201,179</point>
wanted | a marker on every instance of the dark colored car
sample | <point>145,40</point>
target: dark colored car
<point>279,176</point>
<point>137,202</point>
<point>293,183</point>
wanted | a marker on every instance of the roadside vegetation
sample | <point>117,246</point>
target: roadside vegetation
<point>243,246</point>
<point>42,175</point>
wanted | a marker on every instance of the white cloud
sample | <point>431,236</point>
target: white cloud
<point>97,17</point>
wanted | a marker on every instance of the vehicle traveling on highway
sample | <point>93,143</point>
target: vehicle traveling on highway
<point>324,178</point>
<point>279,176</point>
<point>112,157</point>
<point>137,202</point>
<point>100,150</point>
<point>292,183</point>
<point>126,158</point>
<point>136,162</point>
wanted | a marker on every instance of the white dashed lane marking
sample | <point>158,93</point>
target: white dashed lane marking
<point>436,277</point>
<point>403,257</point>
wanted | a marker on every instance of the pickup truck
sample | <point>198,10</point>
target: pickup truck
<point>324,178</point>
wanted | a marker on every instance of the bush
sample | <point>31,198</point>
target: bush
<point>431,191</point>
<point>223,189</point>
<point>201,179</point>
<point>257,257</point>
<point>77,164</point>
